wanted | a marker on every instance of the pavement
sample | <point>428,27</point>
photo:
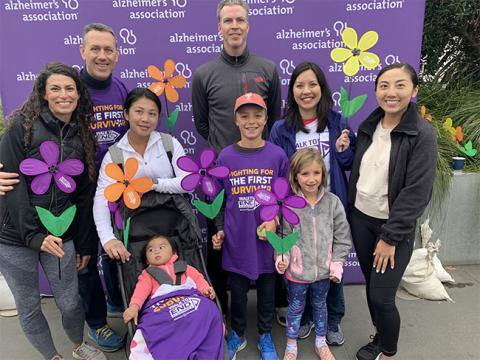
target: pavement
<point>430,330</point>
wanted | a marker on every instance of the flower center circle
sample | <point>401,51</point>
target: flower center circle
<point>52,169</point>
<point>126,182</point>
<point>356,52</point>
<point>202,172</point>
<point>279,202</point>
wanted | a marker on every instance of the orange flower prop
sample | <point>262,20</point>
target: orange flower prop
<point>126,185</point>
<point>167,81</point>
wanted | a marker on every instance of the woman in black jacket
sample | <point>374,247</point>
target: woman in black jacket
<point>390,186</point>
<point>58,112</point>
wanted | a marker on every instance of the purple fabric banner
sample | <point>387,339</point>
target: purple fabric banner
<point>35,32</point>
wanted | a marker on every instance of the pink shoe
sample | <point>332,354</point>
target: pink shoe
<point>290,356</point>
<point>324,353</point>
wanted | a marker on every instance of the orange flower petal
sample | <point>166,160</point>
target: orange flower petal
<point>142,185</point>
<point>459,134</point>
<point>113,191</point>
<point>157,88</point>
<point>131,167</point>
<point>172,94</point>
<point>131,198</point>
<point>169,67</point>
<point>113,170</point>
<point>155,72</point>
<point>423,110</point>
<point>178,81</point>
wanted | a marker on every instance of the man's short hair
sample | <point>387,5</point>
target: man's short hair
<point>98,27</point>
<point>224,3</point>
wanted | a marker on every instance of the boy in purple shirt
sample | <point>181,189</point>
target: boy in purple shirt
<point>254,164</point>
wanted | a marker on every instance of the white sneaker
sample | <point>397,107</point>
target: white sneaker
<point>88,352</point>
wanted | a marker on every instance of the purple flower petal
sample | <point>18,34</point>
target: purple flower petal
<point>190,182</point>
<point>33,167</point>
<point>71,167</point>
<point>118,220</point>
<point>41,183</point>
<point>290,216</point>
<point>206,158</point>
<point>280,188</point>
<point>268,213</point>
<point>112,206</point>
<point>295,202</point>
<point>64,182</point>
<point>187,164</point>
<point>219,172</point>
<point>208,186</point>
<point>265,197</point>
<point>50,152</point>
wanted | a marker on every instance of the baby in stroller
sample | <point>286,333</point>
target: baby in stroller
<point>177,322</point>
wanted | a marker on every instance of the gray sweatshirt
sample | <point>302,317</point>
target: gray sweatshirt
<point>324,241</point>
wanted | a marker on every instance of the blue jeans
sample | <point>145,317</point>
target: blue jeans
<point>335,306</point>
<point>297,296</point>
<point>239,286</point>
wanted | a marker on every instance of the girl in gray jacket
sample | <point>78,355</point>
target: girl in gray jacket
<point>319,254</point>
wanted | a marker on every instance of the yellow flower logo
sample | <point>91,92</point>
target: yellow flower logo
<point>356,54</point>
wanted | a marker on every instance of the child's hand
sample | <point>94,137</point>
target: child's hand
<point>264,227</point>
<point>131,313</point>
<point>209,292</point>
<point>343,141</point>
<point>217,240</point>
<point>281,265</point>
<point>334,279</point>
<point>53,245</point>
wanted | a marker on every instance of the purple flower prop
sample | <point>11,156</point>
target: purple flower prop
<point>202,173</point>
<point>46,170</point>
<point>278,201</point>
<point>115,210</point>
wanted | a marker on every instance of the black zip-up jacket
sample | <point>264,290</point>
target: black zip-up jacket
<point>411,172</point>
<point>20,225</point>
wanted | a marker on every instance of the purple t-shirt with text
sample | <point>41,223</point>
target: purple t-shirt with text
<point>243,252</point>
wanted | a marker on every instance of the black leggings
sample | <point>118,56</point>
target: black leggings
<point>381,288</point>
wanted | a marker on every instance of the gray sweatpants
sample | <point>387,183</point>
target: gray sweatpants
<point>19,266</point>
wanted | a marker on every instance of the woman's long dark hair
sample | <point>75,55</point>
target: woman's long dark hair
<point>292,113</point>
<point>83,114</point>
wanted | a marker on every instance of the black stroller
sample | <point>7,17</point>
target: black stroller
<point>170,215</point>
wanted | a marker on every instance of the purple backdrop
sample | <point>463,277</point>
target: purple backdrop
<point>35,32</point>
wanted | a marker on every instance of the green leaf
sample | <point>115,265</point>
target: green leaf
<point>172,119</point>
<point>126,230</point>
<point>350,107</point>
<point>282,246</point>
<point>56,225</point>
<point>468,149</point>
<point>210,210</point>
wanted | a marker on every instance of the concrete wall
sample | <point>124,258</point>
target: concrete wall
<point>456,221</point>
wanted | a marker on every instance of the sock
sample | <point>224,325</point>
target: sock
<point>320,341</point>
<point>291,347</point>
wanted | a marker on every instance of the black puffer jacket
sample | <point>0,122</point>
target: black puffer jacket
<point>411,172</point>
<point>20,225</point>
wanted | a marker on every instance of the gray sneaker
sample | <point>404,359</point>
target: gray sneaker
<point>88,352</point>
<point>335,336</point>
<point>305,330</point>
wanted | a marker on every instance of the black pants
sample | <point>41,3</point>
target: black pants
<point>92,295</point>
<point>217,275</point>
<point>239,286</point>
<point>381,288</point>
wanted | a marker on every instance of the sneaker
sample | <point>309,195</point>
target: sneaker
<point>106,339</point>
<point>324,353</point>
<point>234,344</point>
<point>370,351</point>
<point>266,347</point>
<point>114,311</point>
<point>282,316</point>
<point>88,352</point>
<point>305,330</point>
<point>335,336</point>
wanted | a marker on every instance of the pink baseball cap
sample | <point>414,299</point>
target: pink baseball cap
<point>249,98</point>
